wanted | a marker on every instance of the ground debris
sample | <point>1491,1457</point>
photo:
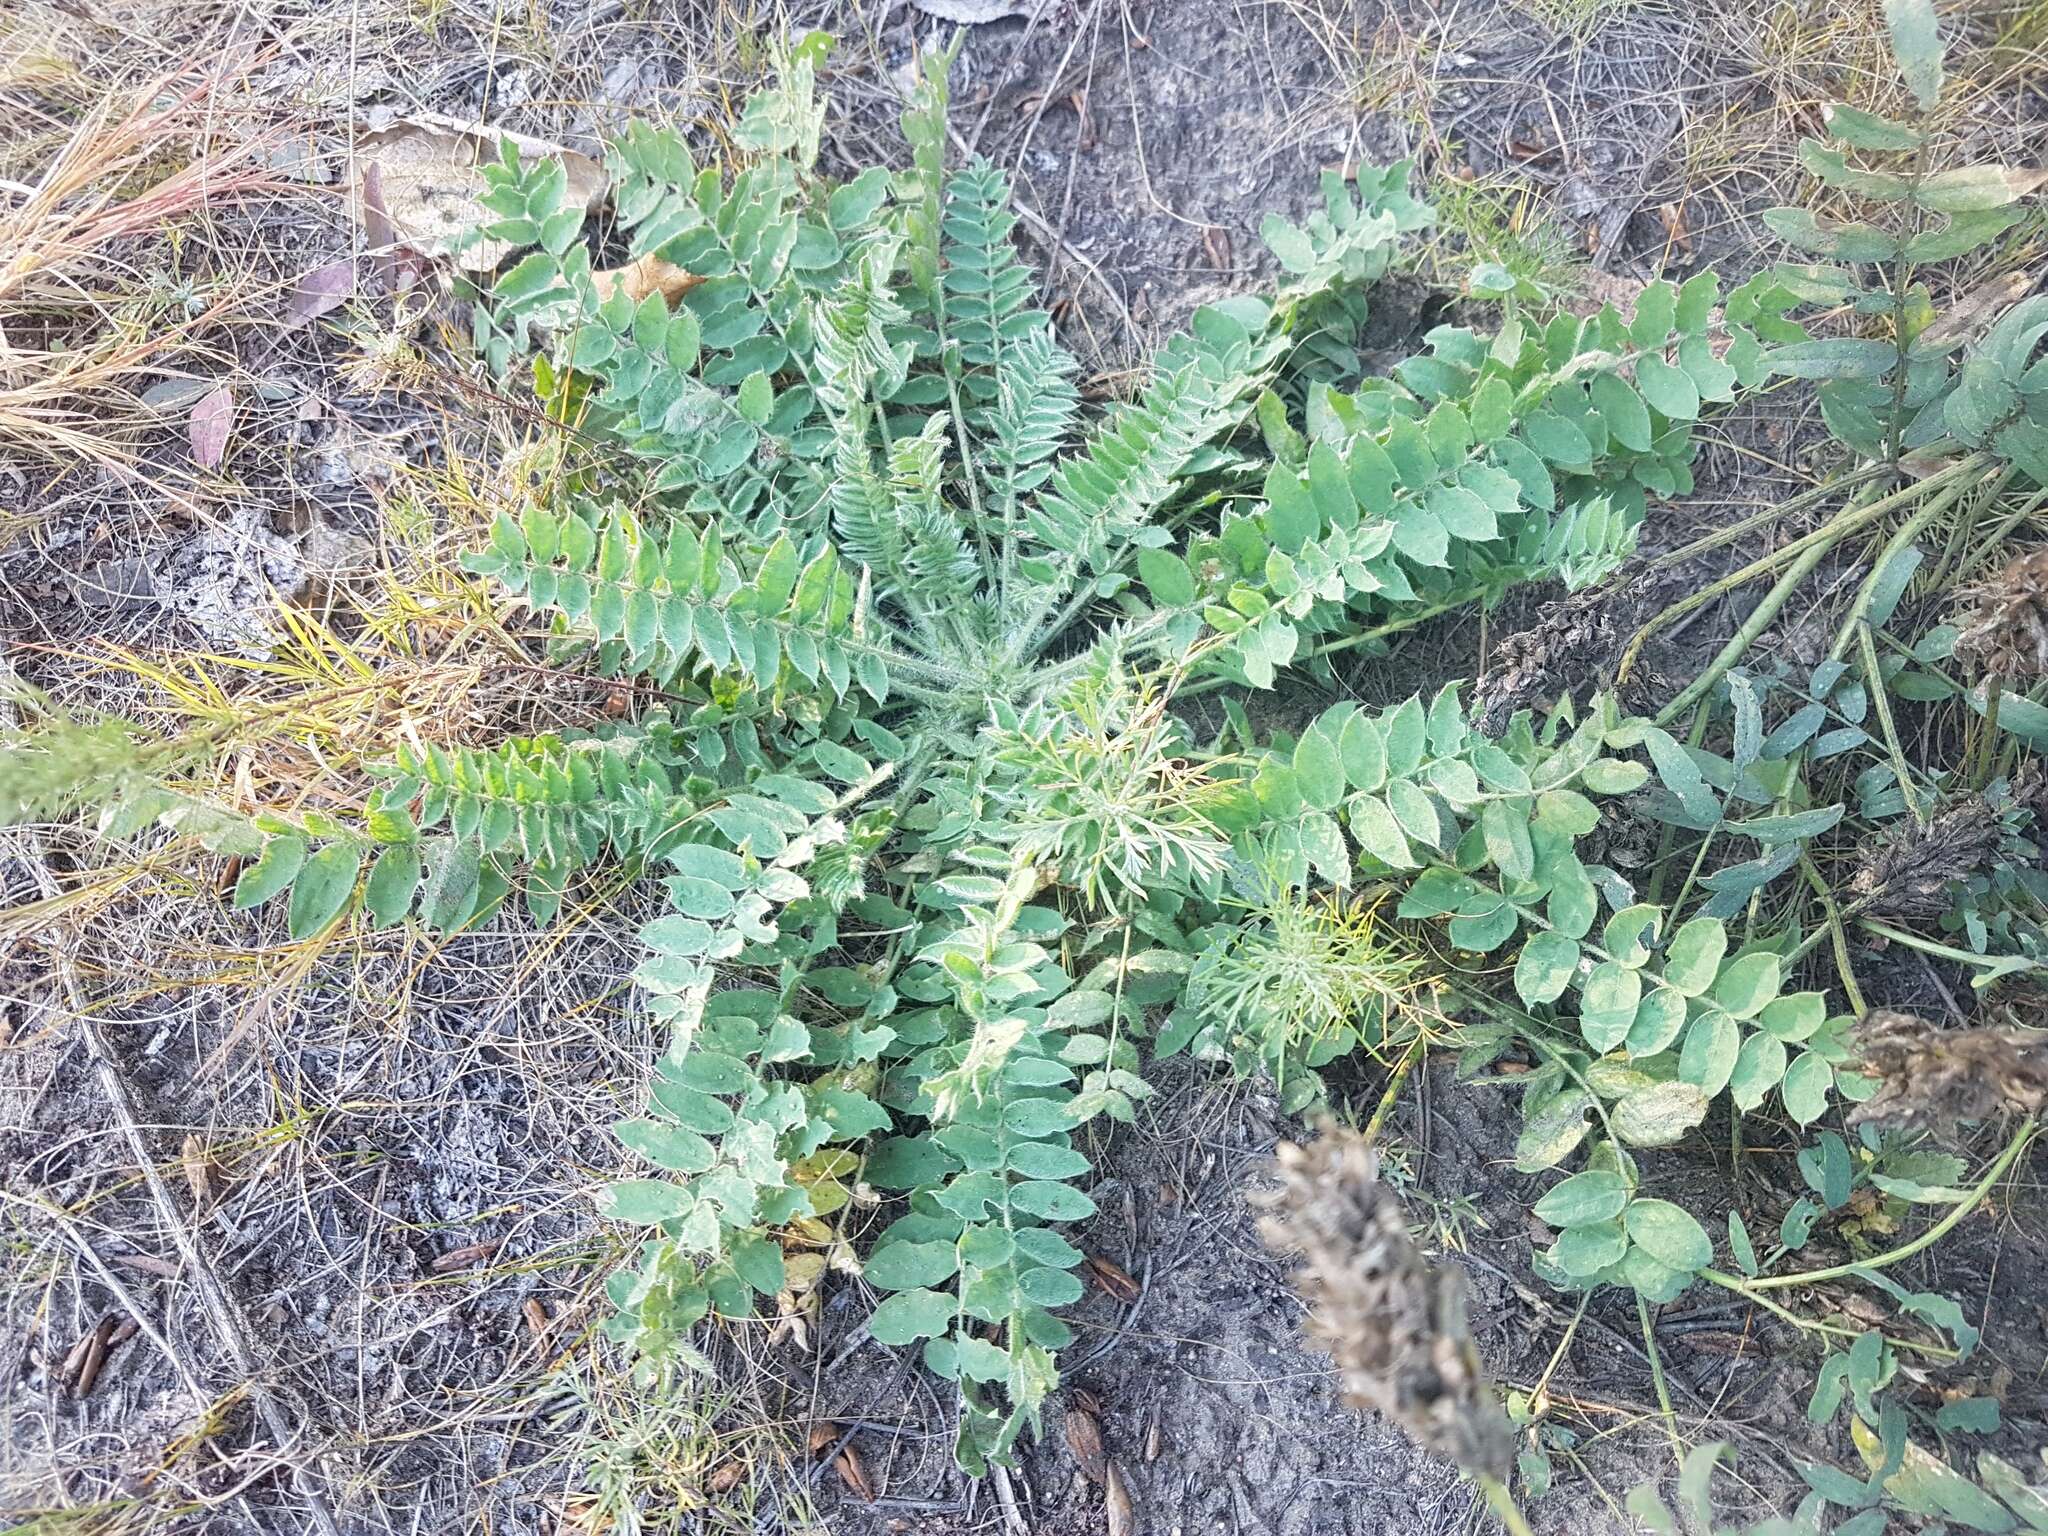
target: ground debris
<point>1932,1077</point>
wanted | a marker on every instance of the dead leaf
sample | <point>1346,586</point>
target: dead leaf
<point>1972,314</point>
<point>1112,1277</point>
<point>824,1435</point>
<point>427,189</point>
<point>322,289</point>
<point>854,1475</point>
<point>1672,216</point>
<point>197,1165</point>
<point>650,274</point>
<point>1216,246</point>
<point>537,1320</point>
<point>463,1257</point>
<point>725,1476</point>
<point>1084,1439</point>
<point>95,1356</point>
<point>211,419</point>
<point>1120,1510</point>
<point>1155,1438</point>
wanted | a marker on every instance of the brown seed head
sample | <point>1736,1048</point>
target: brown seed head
<point>1394,1326</point>
<point>2005,633</point>
<point>1932,1077</point>
<point>1907,870</point>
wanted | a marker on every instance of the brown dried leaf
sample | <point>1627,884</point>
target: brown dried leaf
<point>1118,1507</point>
<point>211,420</point>
<point>1216,246</point>
<point>1972,314</point>
<point>824,1435</point>
<point>726,1476</point>
<point>1086,1401</point>
<point>464,1257</point>
<point>537,1320</point>
<point>1112,1277</point>
<point>1155,1437</point>
<point>854,1475</point>
<point>197,1166</point>
<point>429,187</point>
<point>1084,1439</point>
<point>650,274</point>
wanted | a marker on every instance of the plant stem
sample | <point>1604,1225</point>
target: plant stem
<point>1743,1289</point>
<point>1758,621</point>
<point>1657,1380</point>
<point>1932,1235</point>
<point>1881,697</point>
<point>1993,966</point>
<point>1402,1068</point>
<point>1503,1503</point>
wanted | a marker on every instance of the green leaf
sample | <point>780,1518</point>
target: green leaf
<point>532,275</point>
<point>1711,1046</point>
<point>454,875</point>
<point>1608,1006</point>
<point>1916,42</point>
<point>1586,1250</point>
<point>1805,1087</point>
<point>1547,964</point>
<point>1693,957</point>
<point>1622,409</point>
<point>1549,1138</point>
<point>646,1200</point>
<point>1746,984</point>
<point>323,888</point>
<point>1758,1068</point>
<point>1658,1115</point>
<point>1166,577</point>
<point>904,1266</point>
<point>756,398</point>
<point>1833,357</point>
<point>1053,1201</point>
<point>909,1316</point>
<point>1659,1018</point>
<point>387,894</point>
<point>1740,1245</point>
<point>1318,770</point>
<point>1669,1234</point>
<point>666,1146</point>
<point>1865,130</point>
<point>1668,389</point>
<point>1593,1196</point>
<point>273,869</point>
<point>1296,252</point>
<point>1379,834</point>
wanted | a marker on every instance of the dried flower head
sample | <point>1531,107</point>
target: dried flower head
<point>1931,1077</point>
<point>2005,633</point>
<point>1906,871</point>
<point>1394,1326</point>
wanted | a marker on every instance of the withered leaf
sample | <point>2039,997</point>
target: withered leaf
<point>854,1475</point>
<point>1120,1509</point>
<point>1084,1439</point>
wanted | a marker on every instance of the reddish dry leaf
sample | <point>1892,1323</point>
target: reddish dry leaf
<point>1216,246</point>
<point>824,1435</point>
<point>211,419</point>
<point>1112,1277</point>
<point>462,1258</point>
<point>318,291</point>
<point>1117,1505</point>
<point>725,1476</point>
<point>854,1475</point>
<point>1084,1439</point>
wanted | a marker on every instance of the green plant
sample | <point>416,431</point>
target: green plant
<point>900,626</point>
